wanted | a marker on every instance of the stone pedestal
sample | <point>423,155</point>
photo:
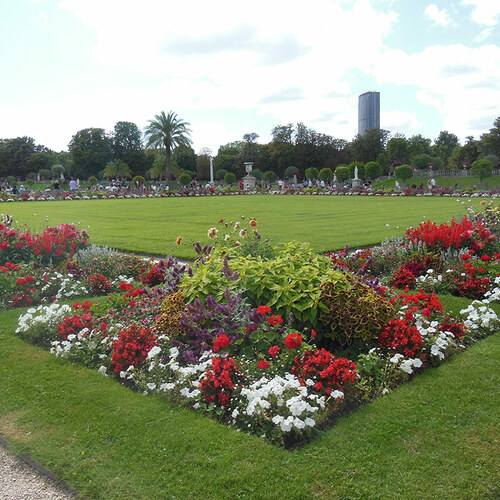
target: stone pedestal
<point>356,183</point>
<point>249,182</point>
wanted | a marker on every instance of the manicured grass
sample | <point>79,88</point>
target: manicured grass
<point>153,225</point>
<point>436,437</point>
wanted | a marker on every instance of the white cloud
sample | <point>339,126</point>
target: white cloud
<point>278,57</point>
<point>484,12</point>
<point>462,83</point>
<point>438,16</point>
<point>401,120</point>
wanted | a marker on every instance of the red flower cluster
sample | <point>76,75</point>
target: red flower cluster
<point>400,336</point>
<point>73,325</point>
<point>328,372</point>
<point>54,244</point>
<point>221,341</point>
<point>472,285</point>
<point>9,267</point>
<point>218,383</point>
<point>156,275</point>
<point>275,320</point>
<point>132,347</point>
<point>451,235</point>
<point>99,284</point>
<point>263,310</point>
<point>293,340</point>
<point>403,279</point>
<point>274,350</point>
<point>428,303</point>
<point>458,329</point>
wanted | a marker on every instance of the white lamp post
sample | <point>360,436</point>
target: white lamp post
<point>212,170</point>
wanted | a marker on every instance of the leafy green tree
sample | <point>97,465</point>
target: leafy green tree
<point>185,178</point>
<point>368,146</point>
<point>15,155</point>
<point>91,149</point>
<point>230,178</point>
<point>127,146</point>
<point>93,180</point>
<point>220,174</point>
<point>373,170</point>
<point>421,161</point>
<point>117,169</point>
<point>290,171</point>
<point>325,174</point>
<point>186,159</point>
<point>45,174</point>
<point>39,160</point>
<point>57,170</point>
<point>257,173</point>
<point>444,145</point>
<point>167,131</point>
<point>227,162</point>
<point>403,172</point>
<point>481,168</point>
<point>384,163</point>
<point>490,142</point>
<point>398,149</point>
<point>312,173</point>
<point>419,145</point>
<point>203,166</point>
<point>270,176</point>
<point>342,173</point>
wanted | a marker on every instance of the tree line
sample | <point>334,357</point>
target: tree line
<point>164,151</point>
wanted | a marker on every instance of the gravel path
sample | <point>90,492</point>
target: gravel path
<point>20,481</point>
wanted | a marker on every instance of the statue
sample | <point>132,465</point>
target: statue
<point>356,172</point>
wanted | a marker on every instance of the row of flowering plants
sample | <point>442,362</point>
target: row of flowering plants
<point>59,264</point>
<point>276,341</point>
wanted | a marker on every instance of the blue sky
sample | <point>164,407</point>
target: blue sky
<point>231,68</point>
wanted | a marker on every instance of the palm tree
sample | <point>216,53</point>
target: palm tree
<point>117,169</point>
<point>167,131</point>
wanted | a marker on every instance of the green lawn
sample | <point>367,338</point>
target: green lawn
<point>153,225</point>
<point>436,437</point>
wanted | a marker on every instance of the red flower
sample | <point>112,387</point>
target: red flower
<point>275,319</point>
<point>485,258</point>
<point>273,351</point>
<point>314,334</point>
<point>263,310</point>
<point>263,364</point>
<point>221,341</point>
<point>465,256</point>
<point>293,340</point>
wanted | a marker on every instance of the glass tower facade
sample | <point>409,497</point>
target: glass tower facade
<point>368,111</point>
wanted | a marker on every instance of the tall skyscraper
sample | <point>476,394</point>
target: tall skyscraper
<point>368,111</point>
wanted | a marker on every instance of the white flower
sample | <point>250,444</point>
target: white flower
<point>102,370</point>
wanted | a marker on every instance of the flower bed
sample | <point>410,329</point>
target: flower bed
<point>277,341</point>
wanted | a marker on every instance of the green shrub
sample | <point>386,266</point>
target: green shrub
<point>291,171</point>
<point>403,172</point>
<point>288,283</point>
<point>185,179</point>
<point>92,180</point>
<point>312,173</point>
<point>269,176</point>
<point>230,178</point>
<point>354,312</point>
<point>139,179</point>
<point>342,173</point>
<point>11,180</point>
<point>373,170</point>
<point>220,174</point>
<point>325,174</point>
<point>361,170</point>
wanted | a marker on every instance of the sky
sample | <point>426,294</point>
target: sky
<point>230,68</point>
